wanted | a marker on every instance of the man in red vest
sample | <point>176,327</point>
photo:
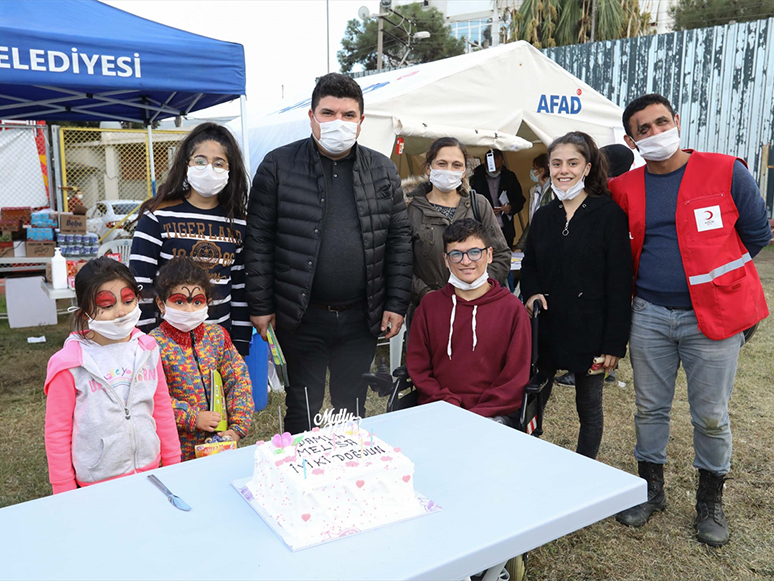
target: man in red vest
<point>696,220</point>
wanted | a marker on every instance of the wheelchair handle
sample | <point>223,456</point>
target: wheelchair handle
<point>536,307</point>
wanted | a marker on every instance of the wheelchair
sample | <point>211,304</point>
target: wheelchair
<point>402,394</point>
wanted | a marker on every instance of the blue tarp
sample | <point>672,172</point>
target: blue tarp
<point>84,60</point>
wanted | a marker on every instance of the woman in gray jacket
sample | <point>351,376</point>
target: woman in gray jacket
<point>437,203</point>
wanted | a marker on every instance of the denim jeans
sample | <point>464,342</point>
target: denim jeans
<point>341,342</point>
<point>661,339</point>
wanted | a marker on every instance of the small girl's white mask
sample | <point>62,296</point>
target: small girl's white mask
<point>184,321</point>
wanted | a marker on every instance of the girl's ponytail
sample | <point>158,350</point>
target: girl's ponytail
<point>596,181</point>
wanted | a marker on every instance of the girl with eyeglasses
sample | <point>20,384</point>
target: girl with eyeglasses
<point>578,264</point>
<point>199,212</point>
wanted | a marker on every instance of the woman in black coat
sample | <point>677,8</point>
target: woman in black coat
<point>578,264</point>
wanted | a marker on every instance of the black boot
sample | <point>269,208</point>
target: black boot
<point>637,516</point>
<point>711,525</point>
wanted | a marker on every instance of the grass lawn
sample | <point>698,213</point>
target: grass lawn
<point>663,549</point>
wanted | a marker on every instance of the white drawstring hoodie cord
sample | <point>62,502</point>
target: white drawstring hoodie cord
<point>475,338</point>
<point>451,326</point>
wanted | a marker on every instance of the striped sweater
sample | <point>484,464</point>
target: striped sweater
<point>187,370</point>
<point>181,229</point>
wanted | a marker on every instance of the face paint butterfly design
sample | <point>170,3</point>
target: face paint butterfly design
<point>191,298</point>
<point>105,299</point>
<point>127,294</point>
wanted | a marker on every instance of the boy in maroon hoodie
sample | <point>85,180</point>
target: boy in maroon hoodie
<point>469,343</point>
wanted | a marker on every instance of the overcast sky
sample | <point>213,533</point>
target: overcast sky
<point>284,40</point>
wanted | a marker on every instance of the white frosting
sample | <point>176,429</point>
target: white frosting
<point>342,492</point>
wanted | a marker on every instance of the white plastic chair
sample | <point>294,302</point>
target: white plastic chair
<point>122,246</point>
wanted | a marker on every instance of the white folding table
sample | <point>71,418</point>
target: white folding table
<point>502,493</point>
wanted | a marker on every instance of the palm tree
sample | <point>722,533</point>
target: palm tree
<point>548,23</point>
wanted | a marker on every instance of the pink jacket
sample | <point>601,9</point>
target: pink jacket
<point>91,434</point>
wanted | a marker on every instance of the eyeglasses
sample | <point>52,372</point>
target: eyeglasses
<point>473,254</point>
<point>200,162</point>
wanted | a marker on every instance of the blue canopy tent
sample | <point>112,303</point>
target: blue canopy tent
<point>84,60</point>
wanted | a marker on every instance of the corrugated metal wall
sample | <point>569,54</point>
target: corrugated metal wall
<point>720,80</point>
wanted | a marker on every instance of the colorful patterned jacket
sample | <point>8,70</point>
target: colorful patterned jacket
<point>189,379</point>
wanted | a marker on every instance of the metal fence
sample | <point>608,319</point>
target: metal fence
<point>24,163</point>
<point>112,164</point>
<point>720,80</point>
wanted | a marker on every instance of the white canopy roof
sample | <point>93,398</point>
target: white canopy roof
<point>510,97</point>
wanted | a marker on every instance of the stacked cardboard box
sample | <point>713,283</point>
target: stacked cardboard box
<point>11,229</point>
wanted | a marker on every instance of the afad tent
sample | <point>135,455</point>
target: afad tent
<point>510,97</point>
<point>88,61</point>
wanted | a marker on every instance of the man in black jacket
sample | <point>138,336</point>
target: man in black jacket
<point>328,254</point>
<point>503,190</point>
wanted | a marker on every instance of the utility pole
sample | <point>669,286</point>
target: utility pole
<point>384,8</point>
<point>593,19</point>
<point>379,42</point>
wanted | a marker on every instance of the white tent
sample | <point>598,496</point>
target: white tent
<point>510,97</point>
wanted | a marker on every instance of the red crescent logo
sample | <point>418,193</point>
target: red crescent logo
<point>710,214</point>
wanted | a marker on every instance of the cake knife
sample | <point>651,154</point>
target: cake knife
<point>176,501</point>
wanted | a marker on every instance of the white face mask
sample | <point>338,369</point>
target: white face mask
<point>660,146</point>
<point>184,321</point>
<point>571,192</point>
<point>533,176</point>
<point>462,285</point>
<point>337,136</point>
<point>493,174</point>
<point>207,182</point>
<point>116,329</point>
<point>446,180</point>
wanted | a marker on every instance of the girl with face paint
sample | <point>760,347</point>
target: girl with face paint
<point>108,412</point>
<point>577,264</point>
<point>200,212</point>
<point>190,350</point>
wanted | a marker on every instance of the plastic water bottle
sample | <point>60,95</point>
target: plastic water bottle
<point>58,270</point>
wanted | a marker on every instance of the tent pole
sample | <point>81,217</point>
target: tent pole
<point>152,163</point>
<point>245,140</point>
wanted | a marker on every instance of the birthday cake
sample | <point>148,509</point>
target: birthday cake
<point>331,483</point>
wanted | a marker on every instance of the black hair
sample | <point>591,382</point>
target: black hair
<point>619,158</point>
<point>181,270</point>
<point>339,86</point>
<point>437,146</point>
<point>541,161</point>
<point>596,181</point>
<point>442,142</point>
<point>233,198</point>
<point>93,275</point>
<point>497,154</point>
<point>461,230</point>
<point>639,104</point>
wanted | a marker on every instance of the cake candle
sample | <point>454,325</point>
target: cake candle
<point>372,438</point>
<point>279,413</point>
<point>304,465</point>
<point>308,413</point>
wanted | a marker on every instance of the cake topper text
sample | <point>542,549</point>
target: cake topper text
<point>328,418</point>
